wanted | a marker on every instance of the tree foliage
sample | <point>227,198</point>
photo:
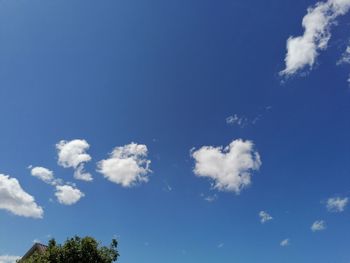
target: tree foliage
<point>76,250</point>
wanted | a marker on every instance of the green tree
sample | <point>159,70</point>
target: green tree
<point>76,250</point>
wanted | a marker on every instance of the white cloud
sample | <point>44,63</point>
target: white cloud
<point>44,174</point>
<point>68,195</point>
<point>80,174</point>
<point>318,225</point>
<point>264,217</point>
<point>8,259</point>
<point>127,165</point>
<point>237,120</point>
<point>243,121</point>
<point>285,242</point>
<point>210,198</point>
<point>345,58</point>
<point>72,154</point>
<point>167,187</point>
<point>303,50</point>
<point>230,168</point>
<point>221,245</point>
<point>337,204</point>
<point>14,199</point>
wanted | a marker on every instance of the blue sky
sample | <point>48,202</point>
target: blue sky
<point>137,97</point>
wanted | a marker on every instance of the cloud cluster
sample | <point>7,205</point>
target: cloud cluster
<point>303,50</point>
<point>127,165</point>
<point>15,200</point>
<point>265,217</point>
<point>8,259</point>
<point>318,225</point>
<point>66,194</point>
<point>230,168</point>
<point>73,154</point>
<point>337,204</point>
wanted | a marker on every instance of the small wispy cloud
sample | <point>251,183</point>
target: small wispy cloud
<point>210,198</point>
<point>264,217</point>
<point>318,225</point>
<point>285,242</point>
<point>345,57</point>
<point>337,204</point>
<point>243,121</point>
<point>240,121</point>
<point>221,245</point>
<point>167,187</point>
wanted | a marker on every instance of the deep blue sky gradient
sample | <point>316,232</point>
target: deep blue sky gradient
<point>167,74</point>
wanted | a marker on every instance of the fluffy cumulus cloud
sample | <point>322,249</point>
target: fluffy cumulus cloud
<point>44,174</point>
<point>337,204</point>
<point>73,154</point>
<point>68,195</point>
<point>127,165</point>
<point>264,217</point>
<point>15,200</point>
<point>318,225</point>
<point>285,242</point>
<point>8,259</point>
<point>302,51</point>
<point>230,168</point>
